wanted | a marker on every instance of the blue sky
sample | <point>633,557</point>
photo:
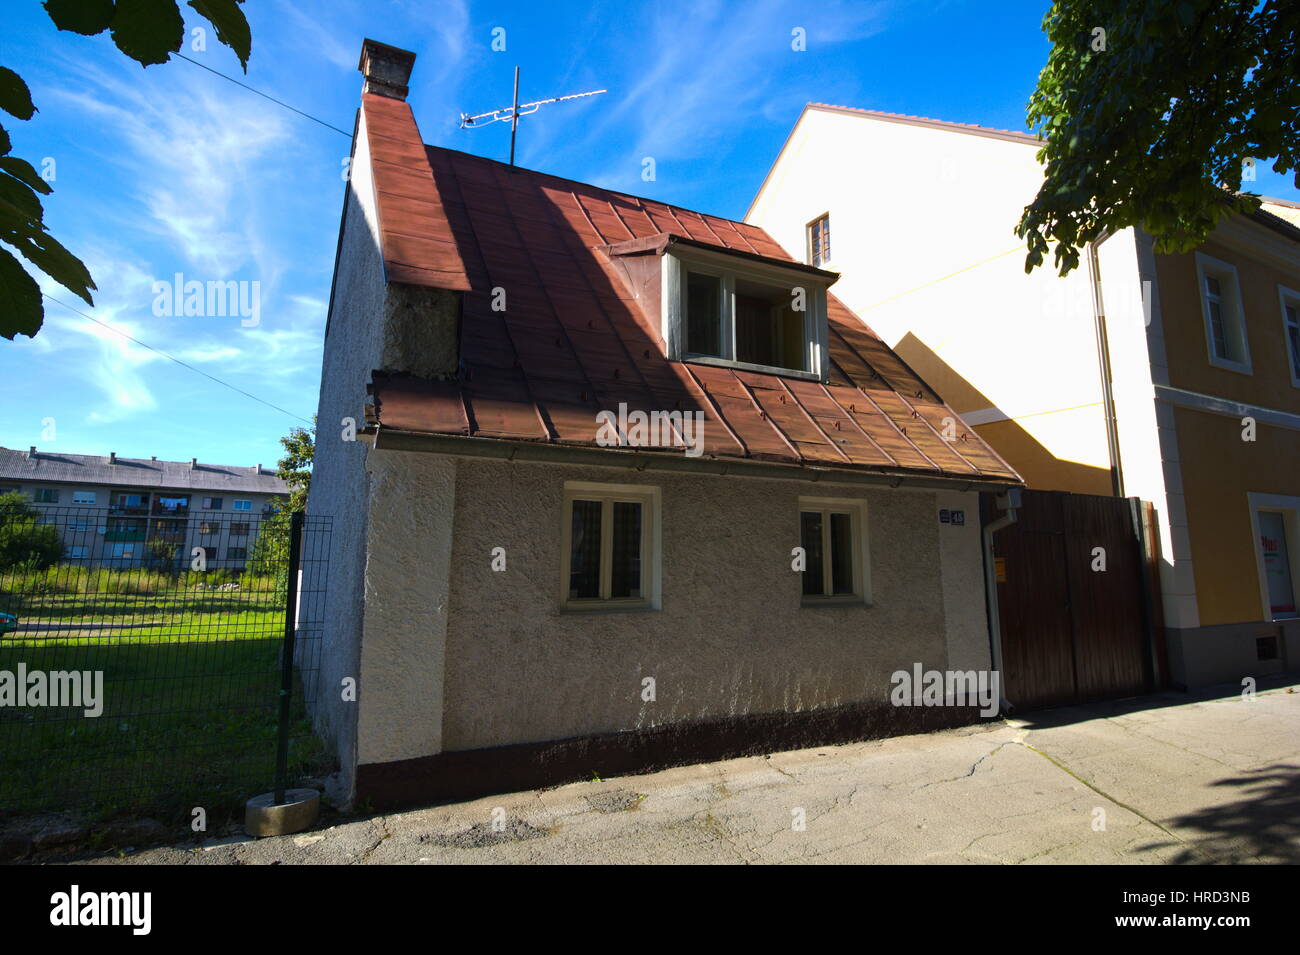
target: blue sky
<point>173,170</point>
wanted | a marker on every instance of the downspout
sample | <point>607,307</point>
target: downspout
<point>1103,357</point>
<point>1008,501</point>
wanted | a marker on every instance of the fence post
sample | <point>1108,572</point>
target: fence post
<point>286,656</point>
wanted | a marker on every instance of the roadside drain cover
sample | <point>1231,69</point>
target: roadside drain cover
<point>482,834</point>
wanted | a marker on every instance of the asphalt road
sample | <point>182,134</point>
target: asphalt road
<point>1164,779</point>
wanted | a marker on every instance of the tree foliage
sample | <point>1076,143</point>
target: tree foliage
<point>26,543</point>
<point>1152,111</point>
<point>149,32</point>
<point>270,553</point>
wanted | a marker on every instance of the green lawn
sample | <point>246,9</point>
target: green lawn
<point>191,703</point>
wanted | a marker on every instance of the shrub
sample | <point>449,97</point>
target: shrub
<point>26,543</point>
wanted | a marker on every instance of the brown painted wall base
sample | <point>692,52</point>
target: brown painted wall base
<point>468,774</point>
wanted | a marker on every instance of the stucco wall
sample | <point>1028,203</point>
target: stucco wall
<point>961,554</point>
<point>731,639</point>
<point>409,545</point>
<point>1269,383</point>
<point>1219,470</point>
<point>339,485</point>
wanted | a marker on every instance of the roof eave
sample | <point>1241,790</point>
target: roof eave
<point>391,439</point>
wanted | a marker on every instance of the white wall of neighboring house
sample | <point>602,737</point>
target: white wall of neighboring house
<point>922,232</point>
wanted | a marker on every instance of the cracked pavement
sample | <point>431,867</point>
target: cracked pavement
<point>1172,778</point>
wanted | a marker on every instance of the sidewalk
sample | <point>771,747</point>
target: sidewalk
<point>1174,779</point>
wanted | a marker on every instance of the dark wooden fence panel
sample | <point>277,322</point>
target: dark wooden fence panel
<point>1072,631</point>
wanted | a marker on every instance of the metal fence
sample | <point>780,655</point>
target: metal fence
<point>141,657</point>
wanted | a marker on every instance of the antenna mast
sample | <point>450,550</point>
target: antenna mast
<point>514,111</point>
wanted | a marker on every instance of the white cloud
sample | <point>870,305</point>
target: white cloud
<point>712,69</point>
<point>191,154</point>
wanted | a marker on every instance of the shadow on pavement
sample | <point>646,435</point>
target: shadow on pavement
<point>1263,825</point>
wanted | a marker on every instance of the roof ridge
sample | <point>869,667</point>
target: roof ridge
<point>590,185</point>
<point>973,128</point>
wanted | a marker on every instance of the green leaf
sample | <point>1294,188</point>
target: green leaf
<point>148,31</point>
<point>47,254</point>
<point>232,26</point>
<point>86,17</point>
<point>5,145</point>
<point>22,169</point>
<point>20,196</point>
<point>21,310</point>
<point>15,97</point>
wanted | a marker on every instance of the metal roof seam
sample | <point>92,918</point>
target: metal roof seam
<point>854,421</point>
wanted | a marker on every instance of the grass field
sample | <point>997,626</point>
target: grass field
<point>190,701</point>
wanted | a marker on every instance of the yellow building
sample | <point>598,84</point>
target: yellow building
<point>1173,378</point>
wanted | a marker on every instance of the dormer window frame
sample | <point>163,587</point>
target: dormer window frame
<point>679,261</point>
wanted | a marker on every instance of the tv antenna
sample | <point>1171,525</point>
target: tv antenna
<point>514,111</point>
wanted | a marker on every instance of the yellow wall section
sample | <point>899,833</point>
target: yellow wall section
<point>1184,322</point>
<point>1218,471</point>
<point>1042,470</point>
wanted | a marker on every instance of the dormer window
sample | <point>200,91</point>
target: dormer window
<point>745,312</point>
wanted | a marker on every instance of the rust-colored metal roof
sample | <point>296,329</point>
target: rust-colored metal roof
<point>575,337</point>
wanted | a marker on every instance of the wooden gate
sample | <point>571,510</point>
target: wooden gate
<point>1072,631</point>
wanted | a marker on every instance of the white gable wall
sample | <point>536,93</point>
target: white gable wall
<point>910,206</point>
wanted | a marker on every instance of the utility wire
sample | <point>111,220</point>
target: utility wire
<point>942,278</point>
<point>263,95</point>
<point>159,351</point>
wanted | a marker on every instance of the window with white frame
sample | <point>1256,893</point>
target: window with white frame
<point>242,505</point>
<point>819,241</point>
<point>832,534</point>
<point>1291,330</point>
<point>84,497</point>
<point>1276,521</point>
<point>610,552</point>
<point>1225,319</point>
<point>77,552</point>
<point>725,310</point>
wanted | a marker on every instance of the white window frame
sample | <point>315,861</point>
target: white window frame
<point>808,238</point>
<point>1234,316</point>
<point>70,555</point>
<point>1289,297</point>
<point>235,506</point>
<point>681,261</point>
<point>651,544</point>
<point>857,511</point>
<point>1289,508</point>
<point>94,497</point>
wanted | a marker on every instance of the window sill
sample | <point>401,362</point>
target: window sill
<point>607,606</point>
<point>833,603</point>
<point>749,366</point>
<point>1234,366</point>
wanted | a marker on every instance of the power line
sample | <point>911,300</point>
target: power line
<point>159,351</point>
<point>263,95</point>
<point>942,278</point>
